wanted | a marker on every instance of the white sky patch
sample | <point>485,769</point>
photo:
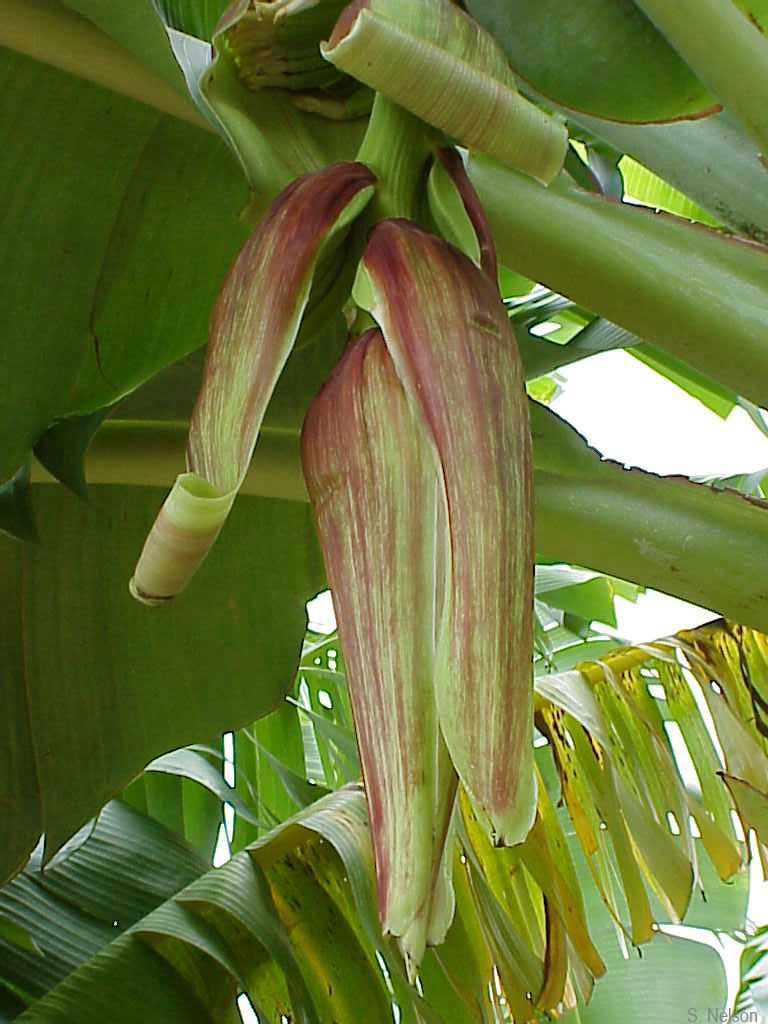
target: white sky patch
<point>320,612</point>
<point>635,416</point>
<point>247,1013</point>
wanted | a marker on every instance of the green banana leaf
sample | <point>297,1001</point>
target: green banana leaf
<point>602,57</point>
<point>128,864</point>
<point>99,684</point>
<point>109,278</point>
<point>135,25</point>
<point>181,804</point>
<point>648,188</point>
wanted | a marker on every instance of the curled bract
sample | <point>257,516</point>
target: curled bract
<point>452,74</point>
<point>253,328</point>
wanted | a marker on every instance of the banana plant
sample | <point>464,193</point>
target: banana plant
<point>399,191</point>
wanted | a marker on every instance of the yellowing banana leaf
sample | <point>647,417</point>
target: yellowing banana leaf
<point>531,929</point>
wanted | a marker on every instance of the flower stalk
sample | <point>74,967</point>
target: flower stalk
<point>396,147</point>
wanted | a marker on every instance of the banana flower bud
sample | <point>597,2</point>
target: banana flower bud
<point>371,479</point>
<point>451,342</point>
<point>452,74</point>
<point>417,460</point>
<point>253,329</point>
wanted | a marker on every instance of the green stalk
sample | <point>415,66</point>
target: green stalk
<point>149,454</point>
<point>665,532</point>
<point>692,291</point>
<point>726,50</point>
<point>682,538</point>
<point>396,148</point>
<point>49,32</point>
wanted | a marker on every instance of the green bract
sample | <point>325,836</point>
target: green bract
<point>451,74</point>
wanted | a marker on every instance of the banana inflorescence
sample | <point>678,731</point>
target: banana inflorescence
<point>416,452</point>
